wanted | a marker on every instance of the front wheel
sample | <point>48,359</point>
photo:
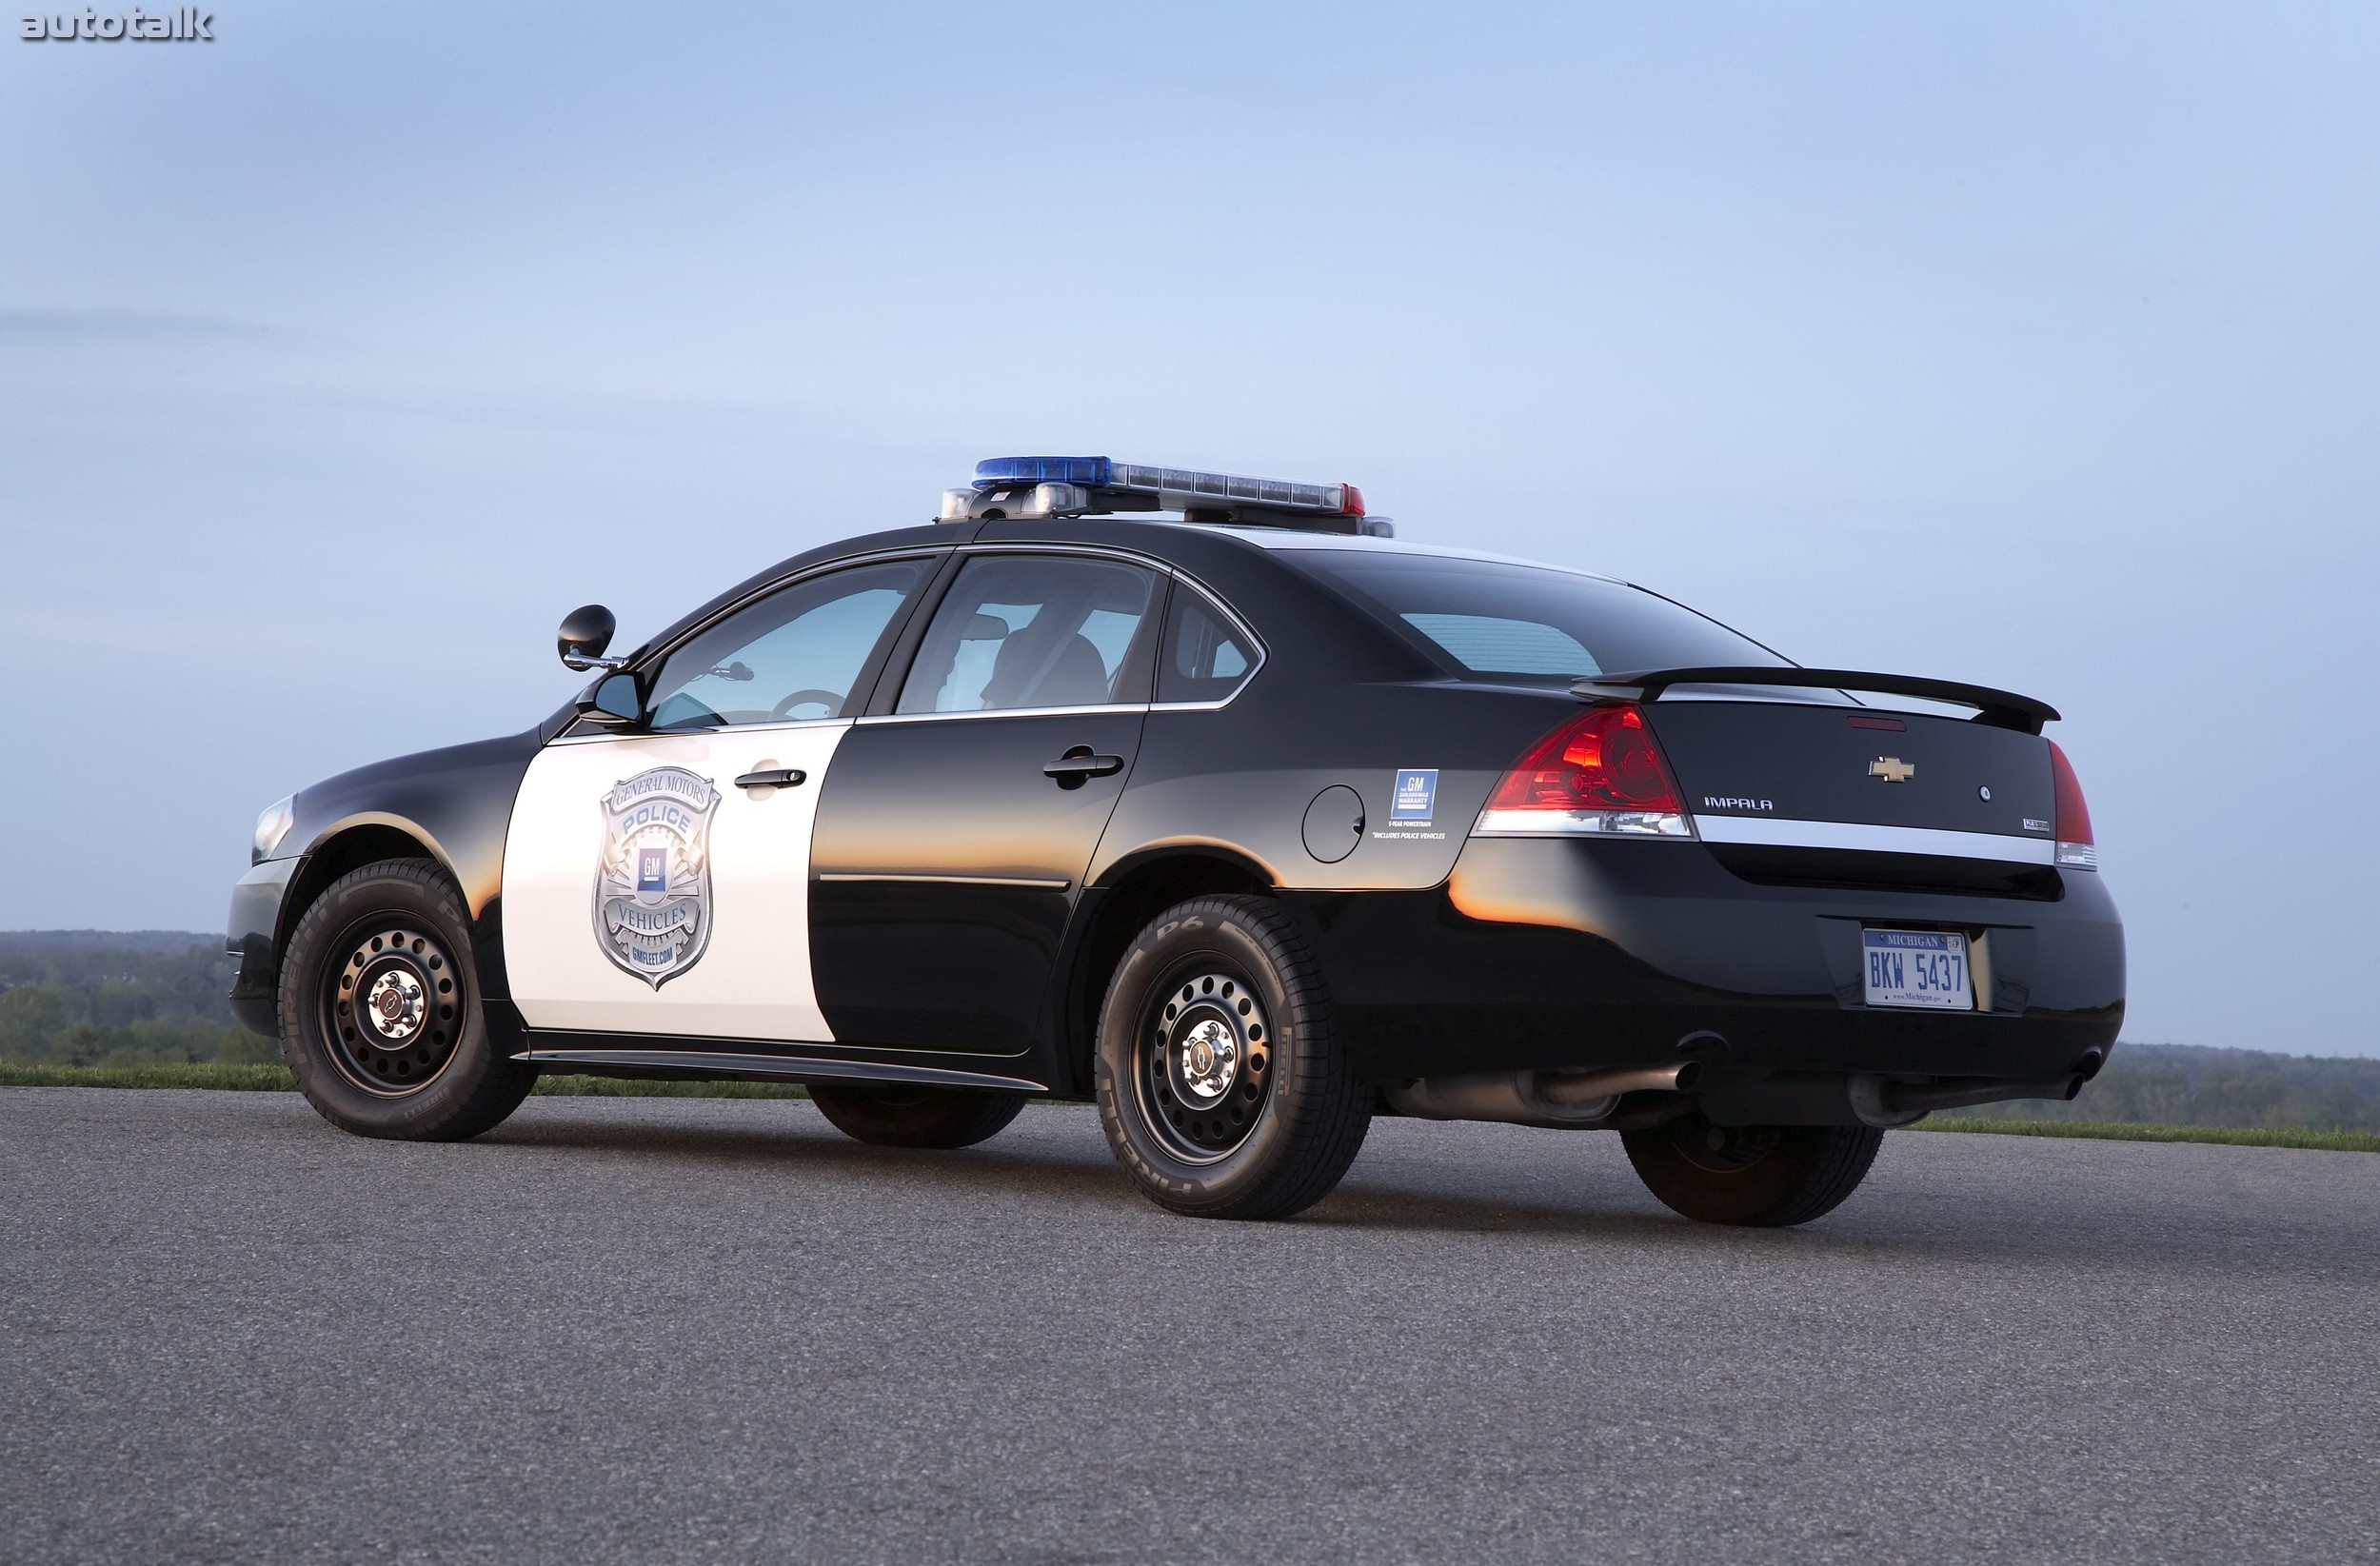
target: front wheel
<point>890,1115</point>
<point>1222,1085</point>
<point>380,1010</point>
<point>1757,1176</point>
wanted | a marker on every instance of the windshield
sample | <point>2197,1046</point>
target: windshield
<point>1503,620</point>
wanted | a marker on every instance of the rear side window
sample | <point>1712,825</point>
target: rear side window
<point>1035,631</point>
<point>1205,656</point>
<point>1506,621</point>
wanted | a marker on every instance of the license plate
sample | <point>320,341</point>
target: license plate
<point>1916,969</point>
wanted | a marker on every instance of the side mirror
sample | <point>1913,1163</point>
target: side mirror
<point>586,632</point>
<point>613,701</point>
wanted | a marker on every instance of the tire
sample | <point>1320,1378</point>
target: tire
<point>890,1115</point>
<point>1263,1119</point>
<point>1756,1176</point>
<point>412,1059</point>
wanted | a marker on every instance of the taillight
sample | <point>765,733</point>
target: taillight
<point>2076,849</point>
<point>1598,772</point>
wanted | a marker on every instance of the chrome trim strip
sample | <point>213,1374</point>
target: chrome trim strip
<point>1874,840</point>
<point>1663,825</point>
<point>1031,884</point>
<point>792,1067</point>
<point>723,731</point>
<point>1002,712</point>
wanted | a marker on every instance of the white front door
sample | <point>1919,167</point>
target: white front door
<point>644,892</point>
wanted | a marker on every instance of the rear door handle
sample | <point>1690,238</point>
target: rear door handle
<point>776,777</point>
<point>1080,763</point>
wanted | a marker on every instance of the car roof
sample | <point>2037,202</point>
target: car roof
<point>1294,538</point>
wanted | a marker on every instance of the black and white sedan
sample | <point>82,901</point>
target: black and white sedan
<point>1249,825</point>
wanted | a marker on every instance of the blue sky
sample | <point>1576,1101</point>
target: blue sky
<point>2018,344</point>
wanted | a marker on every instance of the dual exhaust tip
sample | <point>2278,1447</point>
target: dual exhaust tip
<point>1566,1099</point>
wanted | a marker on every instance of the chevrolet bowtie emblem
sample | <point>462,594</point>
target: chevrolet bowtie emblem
<point>1892,769</point>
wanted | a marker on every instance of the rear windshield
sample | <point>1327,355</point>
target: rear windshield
<point>1502,620</point>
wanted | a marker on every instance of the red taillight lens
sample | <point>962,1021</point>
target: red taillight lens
<point>2076,848</point>
<point>2073,817</point>
<point>1604,759</point>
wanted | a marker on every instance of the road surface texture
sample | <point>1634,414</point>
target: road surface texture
<point>686,1330</point>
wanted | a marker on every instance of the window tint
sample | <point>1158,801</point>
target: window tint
<point>793,655</point>
<point>1034,631</point>
<point>1504,620</point>
<point>1206,657</point>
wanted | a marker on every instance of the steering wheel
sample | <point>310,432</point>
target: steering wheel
<point>830,699</point>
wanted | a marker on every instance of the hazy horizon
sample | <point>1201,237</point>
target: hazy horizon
<point>340,356</point>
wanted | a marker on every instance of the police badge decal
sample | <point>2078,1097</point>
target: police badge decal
<point>653,882</point>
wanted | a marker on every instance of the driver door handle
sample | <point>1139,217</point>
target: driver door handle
<point>1080,763</point>
<point>776,777</point>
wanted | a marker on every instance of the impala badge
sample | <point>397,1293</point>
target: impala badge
<point>1892,769</point>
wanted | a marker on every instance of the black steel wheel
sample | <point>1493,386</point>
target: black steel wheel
<point>380,1011</point>
<point>391,1012</point>
<point>1202,1073</point>
<point>896,1115</point>
<point>1221,1083</point>
<point>1757,1176</point>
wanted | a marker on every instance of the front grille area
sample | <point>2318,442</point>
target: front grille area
<point>1851,870</point>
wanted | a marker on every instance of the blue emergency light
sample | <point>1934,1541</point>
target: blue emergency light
<point>1075,486</point>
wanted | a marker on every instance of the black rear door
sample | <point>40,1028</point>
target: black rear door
<point>954,829</point>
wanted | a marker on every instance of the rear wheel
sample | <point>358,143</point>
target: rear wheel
<point>1223,1087</point>
<point>1757,1176</point>
<point>380,1010</point>
<point>890,1115</point>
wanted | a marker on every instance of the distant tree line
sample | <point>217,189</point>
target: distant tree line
<point>115,998</point>
<point>2192,1085</point>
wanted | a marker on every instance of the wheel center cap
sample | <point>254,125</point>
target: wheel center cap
<point>1210,1060</point>
<point>395,1004</point>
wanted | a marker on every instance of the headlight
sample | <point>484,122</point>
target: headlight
<point>272,827</point>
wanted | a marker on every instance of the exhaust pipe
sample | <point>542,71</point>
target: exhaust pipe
<point>1569,1099</point>
<point>1881,1102</point>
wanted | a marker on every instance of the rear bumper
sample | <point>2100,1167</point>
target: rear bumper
<point>1543,953</point>
<point>251,934</point>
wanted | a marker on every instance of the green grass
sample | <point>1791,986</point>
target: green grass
<point>215,1074</point>
<point>276,1079</point>
<point>2228,1136</point>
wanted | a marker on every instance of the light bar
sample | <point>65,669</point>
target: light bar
<point>1054,486</point>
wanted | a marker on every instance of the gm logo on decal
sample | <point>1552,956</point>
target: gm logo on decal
<point>1416,794</point>
<point>653,880</point>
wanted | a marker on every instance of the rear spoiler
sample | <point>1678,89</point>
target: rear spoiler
<point>1999,708</point>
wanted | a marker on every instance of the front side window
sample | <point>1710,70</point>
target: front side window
<point>1035,631</point>
<point>794,655</point>
<point>1206,657</point>
<point>1499,620</point>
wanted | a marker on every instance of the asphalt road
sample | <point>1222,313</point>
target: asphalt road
<point>665,1330</point>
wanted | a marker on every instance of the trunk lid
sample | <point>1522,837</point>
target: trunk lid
<point>1805,792</point>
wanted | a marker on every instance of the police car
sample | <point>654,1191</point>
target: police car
<point>1206,799</point>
